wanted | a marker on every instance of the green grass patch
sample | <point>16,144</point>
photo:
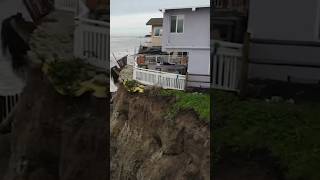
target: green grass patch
<point>199,102</point>
<point>289,131</point>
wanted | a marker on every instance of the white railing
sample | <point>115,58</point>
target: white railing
<point>91,41</point>
<point>158,78</point>
<point>7,104</point>
<point>226,65</point>
<point>66,5</point>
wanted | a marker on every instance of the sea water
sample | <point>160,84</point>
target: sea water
<point>121,46</point>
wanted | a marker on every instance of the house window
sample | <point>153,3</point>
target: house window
<point>157,31</point>
<point>182,54</point>
<point>177,24</point>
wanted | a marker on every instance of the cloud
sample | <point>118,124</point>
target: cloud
<point>121,7</point>
<point>129,17</point>
<point>134,24</point>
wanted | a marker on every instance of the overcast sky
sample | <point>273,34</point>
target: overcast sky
<point>129,17</point>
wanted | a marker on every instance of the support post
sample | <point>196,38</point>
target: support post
<point>244,65</point>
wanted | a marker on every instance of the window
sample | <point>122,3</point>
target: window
<point>157,31</point>
<point>182,54</point>
<point>177,24</point>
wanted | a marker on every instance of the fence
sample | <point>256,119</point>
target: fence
<point>66,5</point>
<point>7,104</point>
<point>158,78</point>
<point>226,65</point>
<point>91,41</point>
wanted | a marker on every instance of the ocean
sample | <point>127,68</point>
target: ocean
<point>121,46</point>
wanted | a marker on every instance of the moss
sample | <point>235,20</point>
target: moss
<point>288,131</point>
<point>199,102</point>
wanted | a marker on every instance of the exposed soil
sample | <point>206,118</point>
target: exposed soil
<point>145,145</point>
<point>56,137</point>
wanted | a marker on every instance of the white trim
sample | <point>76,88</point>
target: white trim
<point>186,7</point>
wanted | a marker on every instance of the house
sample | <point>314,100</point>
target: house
<point>186,31</point>
<point>285,46</point>
<point>156,32</point>
<point>280,46</point>
<point>229,19</point>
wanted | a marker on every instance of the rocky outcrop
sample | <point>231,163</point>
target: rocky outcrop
<point>147,146</point>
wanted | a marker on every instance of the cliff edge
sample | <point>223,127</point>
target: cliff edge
<point>147,145</point>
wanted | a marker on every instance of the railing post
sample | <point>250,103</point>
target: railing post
<point>244,65</point>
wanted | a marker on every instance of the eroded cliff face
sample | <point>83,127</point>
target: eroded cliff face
<point>147,146</point>
<point>57,137</point>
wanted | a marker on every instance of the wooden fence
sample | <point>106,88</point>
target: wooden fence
<point>7,104</point>
<point>226,65</point>
<point>158,78</point>
<point>66,5</point>
<point>91,41</point>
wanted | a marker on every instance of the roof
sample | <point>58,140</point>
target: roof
<point>155,21</point>
<point>186,7</point>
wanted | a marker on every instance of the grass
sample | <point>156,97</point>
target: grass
<point>289,131</point>
<point>199,102</point>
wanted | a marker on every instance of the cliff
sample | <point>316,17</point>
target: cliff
<point>58,129</point>
<point>55,136</point>
<point>147,145</point>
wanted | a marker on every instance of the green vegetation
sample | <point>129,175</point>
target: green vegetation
<point>199,102</point>
<point>289,131</point>
<point>74,77</point>
<point>133,86</point>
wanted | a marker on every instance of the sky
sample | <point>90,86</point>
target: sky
<point>129,17</point>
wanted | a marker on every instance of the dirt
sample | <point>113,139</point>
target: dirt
<point>145,145</point>
<point>56,137</point>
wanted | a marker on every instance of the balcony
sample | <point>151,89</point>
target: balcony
<point>168,72</point>
<point>166,63</point>
<point>91,34</point>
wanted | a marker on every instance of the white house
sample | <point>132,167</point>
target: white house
<point>187,30</point>
<point>285,40</point>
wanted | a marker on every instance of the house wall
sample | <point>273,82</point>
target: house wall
<point>285,41</point>
<point>155,40</point>
<point>195,40</point>
<point>294,20</point>
<point>199,68</point>
<point>196,29</point>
